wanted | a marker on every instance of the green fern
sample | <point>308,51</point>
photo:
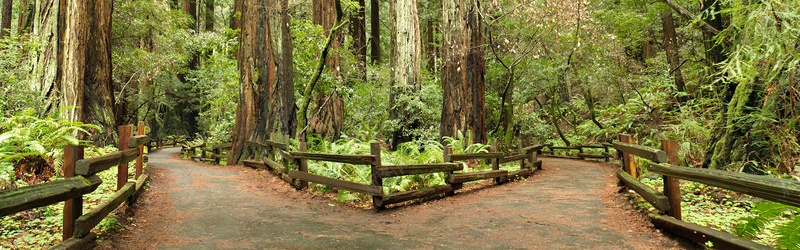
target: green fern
<point>766,213</point>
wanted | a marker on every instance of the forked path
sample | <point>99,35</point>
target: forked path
<point>568,205</point>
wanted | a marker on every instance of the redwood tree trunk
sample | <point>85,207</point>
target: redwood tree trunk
<point>671,47</point>
<point>359,32</point>
<point>76,31</point>
<point>375,32</point>
<point>405,78</point>
<point>324,119</point>
<point>463,107</point>
<point>99,88</point>
<point>5,23</point>
<point>209,15</point>
<point>246,110</point>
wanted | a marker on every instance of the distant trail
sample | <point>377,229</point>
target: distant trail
<point>569,205</point>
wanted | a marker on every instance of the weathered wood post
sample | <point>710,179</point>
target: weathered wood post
<point>446,152</point>
<point>303,165</point>
<point>627,159</point>
<point>72,208</point>
<point>140,159</point>
<point>122,168</point>
<point>375,150</point>
<point>217,153</point>
<point>672,188</point>
<point>495,161</point>
<point>522,164</point>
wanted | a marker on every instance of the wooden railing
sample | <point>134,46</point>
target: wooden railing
<point>663,162</point>
<point>549,150</point>
<point>201,152</point>
<point>274,156</point>
<point>168,142</point>
<point>80,178</point>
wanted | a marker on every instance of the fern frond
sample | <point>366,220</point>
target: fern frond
<point>789,234</point>
<point>766,212</point>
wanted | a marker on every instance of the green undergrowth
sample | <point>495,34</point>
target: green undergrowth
<point>41,227</point>
<point>410,153</point>
<point>727,211</point>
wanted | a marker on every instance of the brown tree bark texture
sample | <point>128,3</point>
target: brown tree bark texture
<point>5,22</point>
<point>98,86</point>
<point>246,55</point>
<point>671,48</point>
<point>375,32</point>
<point>405,76</point>
<point>463,107</point>
<point>76,31</point>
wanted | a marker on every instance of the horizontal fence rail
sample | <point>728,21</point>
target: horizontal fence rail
<point>80,178</point>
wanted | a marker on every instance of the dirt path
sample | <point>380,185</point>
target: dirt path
<point>568,205</point>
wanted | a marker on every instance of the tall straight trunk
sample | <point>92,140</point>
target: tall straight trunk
<point>209,15</point>
<point>358,31</point>
<point>326,117</point>
<point>190,6</point>
<point>26,16</point>
<point>47,26</point>
<point>76,31</point>
<point>430,50</point>
<point>99,89</point>
<point>246,110</point>
<point>671,47</point>
<point>463,107</point>
<point>324,14</point>
<point>266,45</point>
<point>405,78</point>
<point>5,22</point>
<point>375,32</point>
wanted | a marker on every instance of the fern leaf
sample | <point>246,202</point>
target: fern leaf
<point>766,212</point>
<point>789,234</point>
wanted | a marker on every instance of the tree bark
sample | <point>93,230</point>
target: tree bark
<point>671,48</point>
<point>247,108</point>
<point>266,45</point>
<point>76,31</point>
<point>359,32</point>
<point>5,23</point>
<point>209,15</point>
<point>47,26</point>
<point>375,32</point>
<point>405,76</point>
<point>327,123</point>
<point>463,107</point>
<point>98,86</point>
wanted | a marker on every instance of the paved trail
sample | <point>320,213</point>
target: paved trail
<point>568,205</point>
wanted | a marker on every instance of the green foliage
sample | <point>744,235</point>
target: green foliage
<point>24,134</point>
<point>18,90</point>
<point>768,213</point>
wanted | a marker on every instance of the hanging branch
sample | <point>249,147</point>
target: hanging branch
<point>303,119</point>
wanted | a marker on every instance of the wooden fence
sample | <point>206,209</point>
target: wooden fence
<point>214,153</point>
<point>156,143</point>
<point>276,157</point>
<point>663,162</point>
<point>80,178</point>
<point>582,152</point>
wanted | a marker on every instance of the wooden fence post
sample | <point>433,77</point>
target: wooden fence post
<point>140,159</point>
<point>72,208</point>
<point>122,168</point>
<point>375,150</point>
<point>672,188</point>
<point>217,153</point>
<point>627,159</point>
<point>303,166</point>
<point>495,161</point>
<point>446,152</point>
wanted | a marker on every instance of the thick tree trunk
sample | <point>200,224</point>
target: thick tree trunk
<point>266,44</point>
<point>430,50</point>
<point>76,31</point>
<point>246,111</point>
<point>48,27</point>
<point>98,86</point>
<point>375,32</point>
<point>359,32</point>
<point>5,22</point>
<point>463,106</point>
<point>326,123</point>
<point>324,14</point>
<point>209,15</point>
<point>405,78</point>
<point>671,48</point>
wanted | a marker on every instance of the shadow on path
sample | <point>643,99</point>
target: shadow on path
<point>569,205</point>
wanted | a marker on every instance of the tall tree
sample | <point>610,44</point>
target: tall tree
<point>47,26</point>
<point>405,76</point>
<point>327,115</point>
<point>209,19</point>
<point>5,23</point>
<point>463,96</point>
<point>99,88</point>
<point>265,45</point>
<point>671,48</point>
<point>76,31</point>
<point>375,32</point>
<point>358,31</point>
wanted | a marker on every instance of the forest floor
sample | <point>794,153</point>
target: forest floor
<point>569,205</point>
